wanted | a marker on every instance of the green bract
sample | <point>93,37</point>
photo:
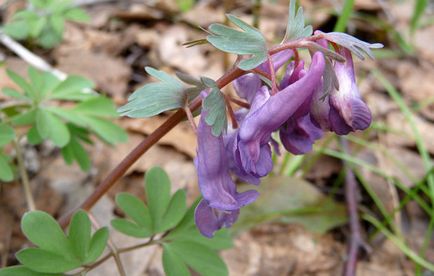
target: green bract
<point>56,252</point>
<point>44,21</point>
<point>215,106</point>
<point>155,98</point>
<point>67,127</point>
<point>250,41</point>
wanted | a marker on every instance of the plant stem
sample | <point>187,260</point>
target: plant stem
<point>162,130</point>
<point>24,177</point>
<point>356,242</point>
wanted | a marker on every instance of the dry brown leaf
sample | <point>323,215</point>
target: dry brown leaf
<point>397,121</point>
<point>283,250</point>
<point>181,137</point>
<point>111,74</point>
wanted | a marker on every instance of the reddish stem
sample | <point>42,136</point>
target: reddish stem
<point>239,102</point>
<point>231,112</point>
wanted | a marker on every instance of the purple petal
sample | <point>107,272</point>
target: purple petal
<point>209,220</point>
<point>215,182</point>
<point>278,60</point>
<point>298,135</point>
<point>292,74</point>
<point>247,85</point>
<point>269,114</point>
<point>348,107</point>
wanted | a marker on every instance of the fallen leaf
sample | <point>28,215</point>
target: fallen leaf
<point>292,200</point>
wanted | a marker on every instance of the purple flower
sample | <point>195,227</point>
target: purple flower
<point>220,197</point>
<point>348,112</point>
<point>208,220</point>
<point>269,113</point>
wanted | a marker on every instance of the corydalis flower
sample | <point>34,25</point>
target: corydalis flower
<point>216,185</point>
<point>348,112</point>
<point>268,113</point>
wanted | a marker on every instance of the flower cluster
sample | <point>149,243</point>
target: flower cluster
<point>308,102</point>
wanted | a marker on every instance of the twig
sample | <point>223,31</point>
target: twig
<point>356,242</point>
<point>24,177</point>
<point>114,250</point>
<point>30,57</point>
<point>162,130</point>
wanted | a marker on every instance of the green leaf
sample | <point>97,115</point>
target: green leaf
<point>215,107</point>
<point>175,212</point>
<point>155,98</point>
<point>41,4</point>
<point>14,93</point>
<point>51,127</point>
<point>22,83</point>
<point>79,234</point>
<point>33,136</point>
<point>134,208</point>
<point>6,172</point>
<point>295,28</point>
<point>41,260</point>
<point>247,42</point>
<point>75,151</point>
<point>173,264</point>
<point>108,131</point>
<point>97,106</point>
<point>72,89</point>
<point>20,270</point>
<point>57,22</point>
<point>44,231</point>
<point>97,245</point>
<point>7,134</point>
<point>48,39</point>
<point>77,14</point>
<point>157,186</point>
<point>292,200</point>
<point>130,228</point>
<point>17,29</point>
<point>200,258</point>
<point>221,240</point>
<point>69,115</point>
<point>26,118</point>
<point>37,26</point>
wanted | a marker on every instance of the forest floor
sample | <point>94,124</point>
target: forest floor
<point>123,37</point>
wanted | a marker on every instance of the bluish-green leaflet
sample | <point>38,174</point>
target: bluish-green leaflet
<point>247,42</point>
<point>296,28</point>
<point>155,98</point>
<point>215,106</point>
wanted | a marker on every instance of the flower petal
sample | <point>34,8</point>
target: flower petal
<point>209,220</point>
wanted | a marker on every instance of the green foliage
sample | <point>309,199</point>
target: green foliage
<point>161,213</point>
<point>215,106</point>
<point>295,28</point>
<point>184,247</point>
<point>155,98</point>
<point>44,21</point>
<point>56,252</point>
<point>185,5</point>
<point>344,17</point>
<point>250,41</point>
<point>67,127</point>
<point>419,8</point>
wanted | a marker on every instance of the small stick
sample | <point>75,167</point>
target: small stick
<point>190,117</point>
<point>356,242</point>
<point>24,177</point>
<point>30,57</point>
